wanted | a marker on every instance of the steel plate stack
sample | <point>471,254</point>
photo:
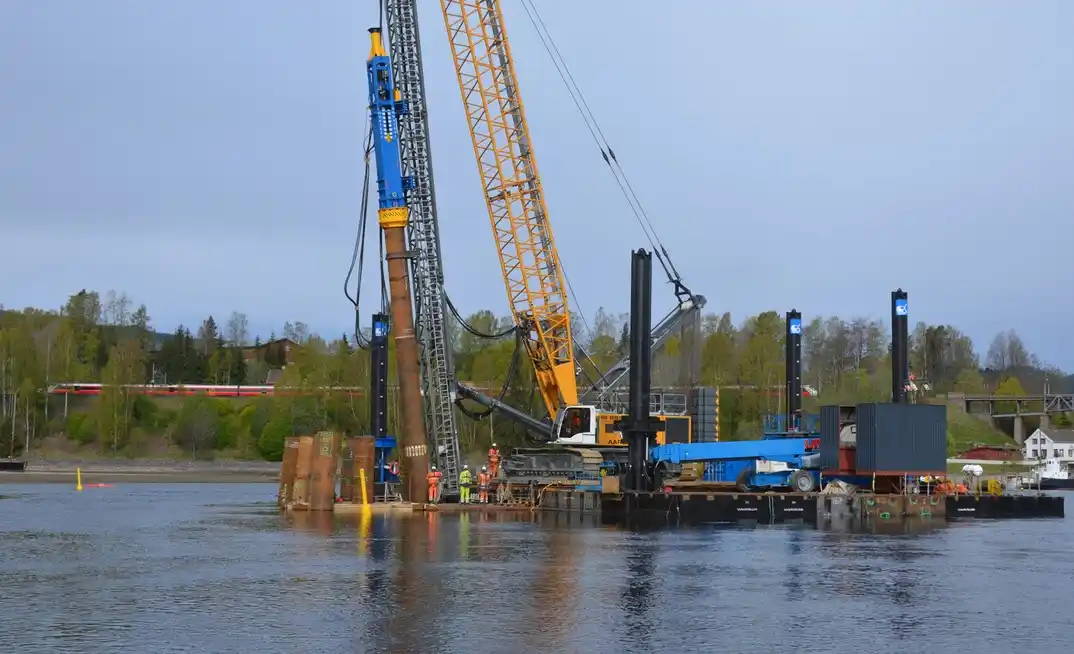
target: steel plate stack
<point>704,408</point>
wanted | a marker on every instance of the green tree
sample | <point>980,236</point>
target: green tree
<point>970,382</point>
<point>1010,387</point>
<point>846,359</point>
<point>125,367</point>
<point>198,426</point>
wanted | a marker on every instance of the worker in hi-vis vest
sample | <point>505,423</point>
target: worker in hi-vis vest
<point>434,484</point>
<point>494,460</point>
<point>465,479</point>
<point>483,479</point>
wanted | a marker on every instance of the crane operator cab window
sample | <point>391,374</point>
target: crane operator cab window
<point>577,426</point>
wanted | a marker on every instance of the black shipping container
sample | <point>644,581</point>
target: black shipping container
<point>902,438</point>
<point>677,430</point>
<point>829,437</point>
<point>702,427</point>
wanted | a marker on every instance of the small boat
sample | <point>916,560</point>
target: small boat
<point>1053,474</point>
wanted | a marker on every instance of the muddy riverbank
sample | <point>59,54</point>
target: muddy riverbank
<point>144,471</point>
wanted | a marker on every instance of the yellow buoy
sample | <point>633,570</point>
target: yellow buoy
<point>363,532</point>
<point>78,479</point>
<point>365,496</point>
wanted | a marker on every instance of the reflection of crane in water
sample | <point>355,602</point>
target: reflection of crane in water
<point>637,598</point>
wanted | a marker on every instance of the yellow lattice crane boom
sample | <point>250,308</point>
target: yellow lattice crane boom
<point>512,186</point>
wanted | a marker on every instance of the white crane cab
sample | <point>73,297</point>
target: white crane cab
<point>581,425</point>
<point>576,425</point>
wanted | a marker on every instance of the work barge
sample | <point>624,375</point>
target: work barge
<point>327,473</point>
<point>860,467</point>
<point>848,466</point>
<point>308,485</point>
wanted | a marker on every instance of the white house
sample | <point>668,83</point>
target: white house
<point>1049,443</point>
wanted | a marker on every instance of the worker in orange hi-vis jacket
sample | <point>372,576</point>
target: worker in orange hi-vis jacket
<point>483,479</point>
<point>494,461</point>
<point>433,478</point>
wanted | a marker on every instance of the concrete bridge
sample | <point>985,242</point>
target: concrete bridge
<point>1016,407</point>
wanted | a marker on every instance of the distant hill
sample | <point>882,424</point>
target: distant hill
<point>115,333</point>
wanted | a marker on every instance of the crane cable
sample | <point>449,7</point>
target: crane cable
<point>357,264</point>
<point>640,215</point>
<point>470,328</point>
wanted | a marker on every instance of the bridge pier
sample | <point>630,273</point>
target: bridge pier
<point>1045,421</point>
<point>1019,430</point>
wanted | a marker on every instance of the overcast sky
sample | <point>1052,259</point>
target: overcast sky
<point>205,156</point>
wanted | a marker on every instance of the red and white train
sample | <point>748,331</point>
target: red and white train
<point>212,390</point>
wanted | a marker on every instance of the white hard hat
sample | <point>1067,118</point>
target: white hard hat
<point>494,444</point>
<point>434,467</point>
<point>465,465</point>
<point>482,467</point>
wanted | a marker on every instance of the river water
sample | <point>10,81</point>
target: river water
<point>214,568</point>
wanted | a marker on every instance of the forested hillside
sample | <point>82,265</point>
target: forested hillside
<point>111,341</point>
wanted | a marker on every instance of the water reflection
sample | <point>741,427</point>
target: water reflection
<point>637,601</point>
<point>319,522</point>
<point>188,568</point>
<point>793,586</point>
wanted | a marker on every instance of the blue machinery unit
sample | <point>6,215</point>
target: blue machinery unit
<point>741,462</point>
<point>385,105</point>
<point>791,441</point>
<point>382,461</point>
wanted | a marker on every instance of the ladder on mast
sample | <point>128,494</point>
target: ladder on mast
<point>427,272</point>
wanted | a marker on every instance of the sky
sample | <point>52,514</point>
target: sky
<point>206,156</point>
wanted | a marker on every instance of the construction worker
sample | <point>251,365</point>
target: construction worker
<point>494,460</point>
<point>465,479</point>
<point>433,478</point>
<point>483,479</point>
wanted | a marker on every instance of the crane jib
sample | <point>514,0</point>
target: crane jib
<point>511,183</point>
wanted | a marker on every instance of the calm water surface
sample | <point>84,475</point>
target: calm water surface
<point>214,568</point>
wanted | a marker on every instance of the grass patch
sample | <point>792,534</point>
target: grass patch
<point>967,431</point>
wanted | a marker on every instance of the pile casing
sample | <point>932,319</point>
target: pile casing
<point>323,471</point>
<point>287,471</point>
<point>300,495</point>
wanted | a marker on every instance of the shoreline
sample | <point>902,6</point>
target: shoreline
<point>147,472</point>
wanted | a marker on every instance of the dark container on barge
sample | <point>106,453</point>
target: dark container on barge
<point>837,436</point>
<point>901,438</point>
<point>829,437</point>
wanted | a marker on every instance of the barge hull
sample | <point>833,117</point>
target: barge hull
<point>834,511</point>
